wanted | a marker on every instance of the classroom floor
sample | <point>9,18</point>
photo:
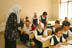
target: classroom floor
<point>19,45</point>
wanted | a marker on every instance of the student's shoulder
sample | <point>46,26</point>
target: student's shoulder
<point>51,38</point>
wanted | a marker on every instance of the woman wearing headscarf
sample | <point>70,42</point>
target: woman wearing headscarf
<point>12,27</point>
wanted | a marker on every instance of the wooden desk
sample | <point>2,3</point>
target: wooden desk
<point>45,43</point>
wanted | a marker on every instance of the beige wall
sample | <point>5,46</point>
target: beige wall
<point>55,9</point>
<point>29,7</point>
<point>70,0</point>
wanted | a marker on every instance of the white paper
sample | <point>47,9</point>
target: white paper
<point>69,42</point>
<point>66,46</point>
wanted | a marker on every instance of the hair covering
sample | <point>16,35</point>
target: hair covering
<point>15,9</point>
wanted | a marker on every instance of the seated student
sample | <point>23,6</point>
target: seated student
<point>57,24</point>
<point>26,32</point>
<point>27,18</point>
<point>47,34</point>
<point>67,34</point>
<point>66,19</point>
<point>57,39</point>
<point>38,33</point>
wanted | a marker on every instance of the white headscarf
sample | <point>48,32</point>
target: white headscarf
<point>15,9</point>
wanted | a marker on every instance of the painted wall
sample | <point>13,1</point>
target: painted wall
<point>29,7</point>
<point>55,9</point>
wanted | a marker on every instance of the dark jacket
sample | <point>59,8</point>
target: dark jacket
<point>11,27</point>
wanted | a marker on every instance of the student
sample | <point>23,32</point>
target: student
<point>44,18</point>
<point>67,34</point>
<point>35,20</point>
<point>26,18</point>
<point>12,27</point>
<point>26,32</point>
<point>57,39</point>
<point>57,24</point>
<point>66,19</point>
<point>38,33</point>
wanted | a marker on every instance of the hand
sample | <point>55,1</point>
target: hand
<point>24,32</point>
<point>19,28</point>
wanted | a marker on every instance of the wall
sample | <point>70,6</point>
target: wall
<point>29,7</point>
<point>55,9</point>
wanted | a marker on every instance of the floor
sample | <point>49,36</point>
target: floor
<point>19,45</point>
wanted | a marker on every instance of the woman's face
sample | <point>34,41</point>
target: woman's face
<point>20,13</point>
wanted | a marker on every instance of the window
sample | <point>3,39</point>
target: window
<point>64,0</point>
<point>65,9</point>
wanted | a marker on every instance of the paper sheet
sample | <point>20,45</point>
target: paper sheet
<point>66,46</point>
<point>69,42</point>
